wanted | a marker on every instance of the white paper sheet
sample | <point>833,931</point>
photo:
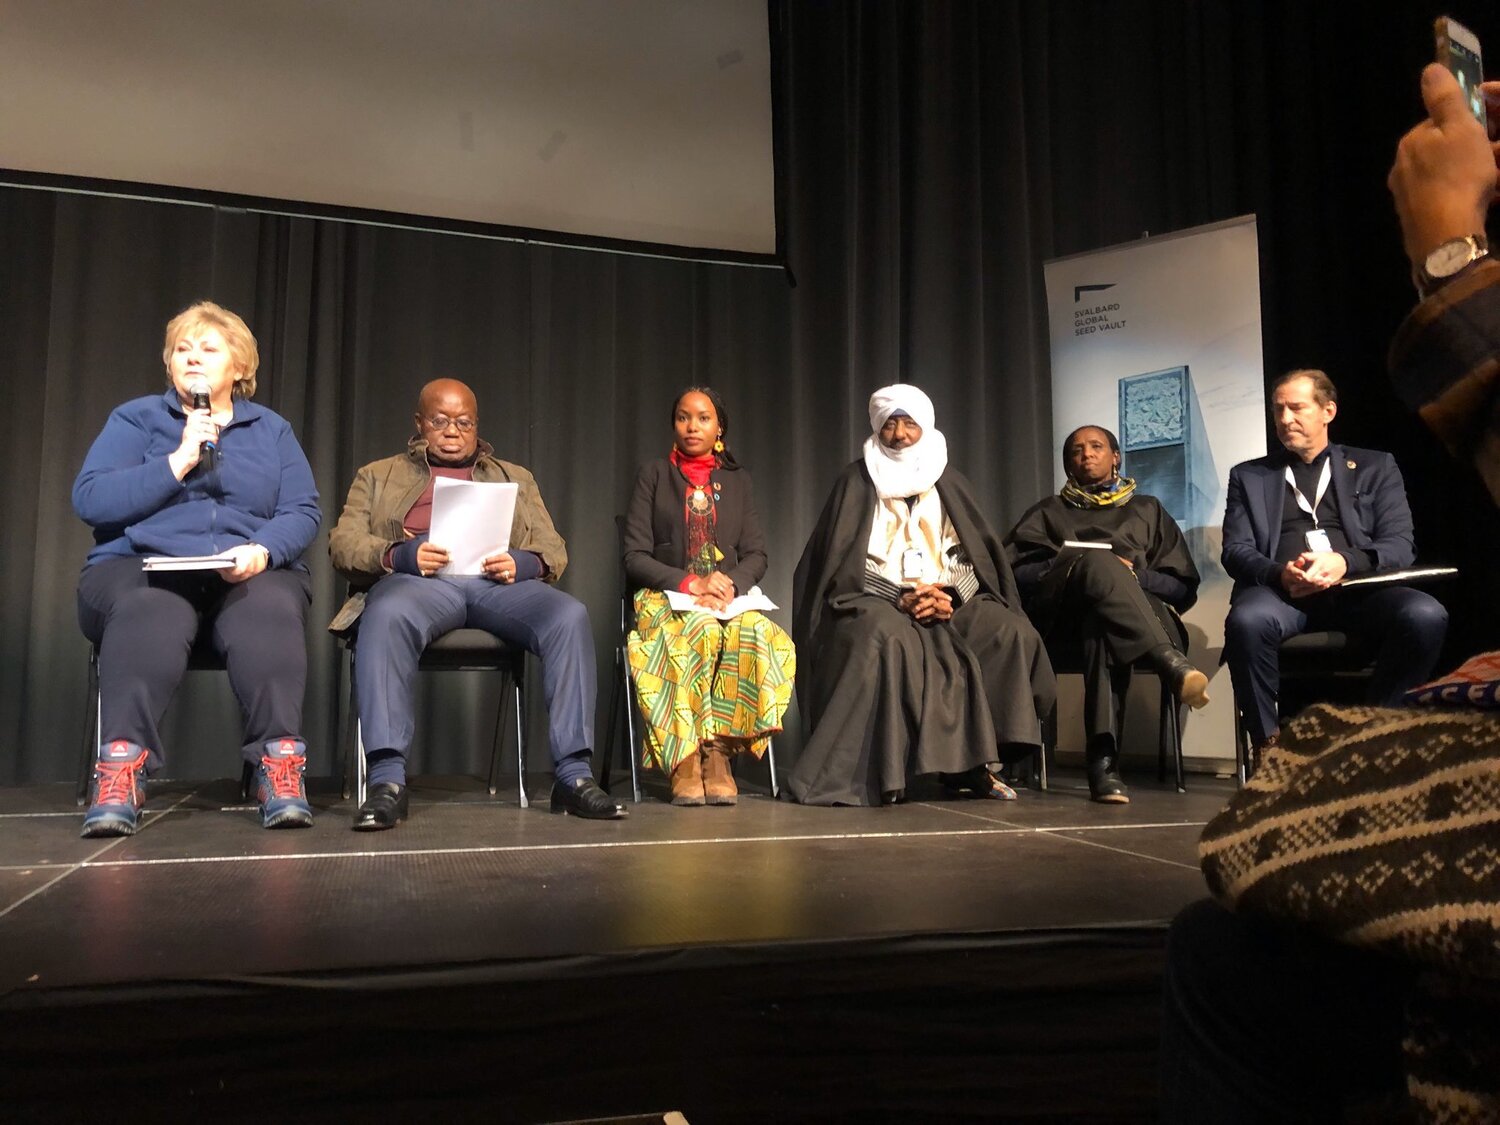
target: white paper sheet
<point>472,520</point>
<point>753,600</point>
<point>187,562</point>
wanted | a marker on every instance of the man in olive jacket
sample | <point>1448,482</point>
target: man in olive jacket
<point>399,603</point>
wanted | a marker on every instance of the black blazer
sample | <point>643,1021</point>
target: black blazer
<point>656,528</point>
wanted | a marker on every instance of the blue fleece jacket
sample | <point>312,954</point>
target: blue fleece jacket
<point>260,489</point>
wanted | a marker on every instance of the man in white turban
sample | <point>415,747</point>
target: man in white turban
<point>915,655</point>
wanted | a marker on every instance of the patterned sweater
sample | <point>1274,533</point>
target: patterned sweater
<point>1380,827</point>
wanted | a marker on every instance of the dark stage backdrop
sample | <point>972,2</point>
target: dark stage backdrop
<point>937,153</point>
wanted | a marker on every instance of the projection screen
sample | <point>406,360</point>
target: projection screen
<point>632,124</point>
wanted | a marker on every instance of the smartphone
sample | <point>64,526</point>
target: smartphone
<point>1458,50</point>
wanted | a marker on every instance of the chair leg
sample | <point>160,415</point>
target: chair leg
<point>520,694</point>
<point>1166,717</point>
<point>497,739</point>
<point>771,765</point>
<point>632,748</point>
<point>1049,744</point>
<point>91,734</point>
<point>351,744</point>
<point>607,762</point>
<point>1171,732</point>
<point>1176,713</point>
<point>247,779</point>
<point>1242,748</point>
<point>361,775</point>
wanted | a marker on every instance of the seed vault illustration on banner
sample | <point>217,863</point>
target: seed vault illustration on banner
<point>1160,340</point>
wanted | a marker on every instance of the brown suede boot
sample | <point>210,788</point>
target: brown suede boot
<point>687,781</point>
<point>718,779</point>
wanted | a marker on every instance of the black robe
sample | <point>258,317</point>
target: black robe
<point>885,697</point>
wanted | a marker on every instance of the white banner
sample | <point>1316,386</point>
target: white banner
<point>1159,341</point>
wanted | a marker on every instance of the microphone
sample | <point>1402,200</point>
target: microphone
<point>199,391</point>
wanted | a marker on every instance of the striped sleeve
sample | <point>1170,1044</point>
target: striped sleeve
<point>961,576</point>
<point>878,585</point>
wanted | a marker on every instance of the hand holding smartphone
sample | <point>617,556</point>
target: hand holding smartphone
<point>1458,50</point>
<point>1445,176</point>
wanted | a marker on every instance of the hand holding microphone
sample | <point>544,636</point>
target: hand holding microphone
<point>200,437</point>
<point>210,445</point>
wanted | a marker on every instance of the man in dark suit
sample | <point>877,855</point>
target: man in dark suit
<point>1297,523</point>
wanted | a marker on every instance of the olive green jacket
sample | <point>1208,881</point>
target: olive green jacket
<point>384,491</point>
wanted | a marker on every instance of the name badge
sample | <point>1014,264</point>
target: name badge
<point>912,561</point>
<point>1317,540</point>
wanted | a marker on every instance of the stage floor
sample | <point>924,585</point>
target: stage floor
<point>202,893</point>
<point>942,960</point>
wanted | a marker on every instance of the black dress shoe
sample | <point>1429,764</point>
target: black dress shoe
<point>584,798</point>
<point>384,807</point>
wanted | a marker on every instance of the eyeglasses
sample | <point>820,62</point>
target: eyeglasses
<point>441,422</point>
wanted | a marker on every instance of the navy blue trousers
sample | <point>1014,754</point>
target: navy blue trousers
<point>145,625</point>
<point>404,613</point>
<point>1403,627</point>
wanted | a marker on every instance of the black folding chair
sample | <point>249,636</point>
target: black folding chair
<point>461,650</point>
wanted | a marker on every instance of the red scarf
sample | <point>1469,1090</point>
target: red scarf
<point>696,469</point>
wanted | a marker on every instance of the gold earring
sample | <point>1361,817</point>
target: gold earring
<point>718,445</point>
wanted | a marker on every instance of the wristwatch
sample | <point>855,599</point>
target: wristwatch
<point>1451,259</point>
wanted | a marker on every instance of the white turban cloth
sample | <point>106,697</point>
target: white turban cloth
<point>899,473</point>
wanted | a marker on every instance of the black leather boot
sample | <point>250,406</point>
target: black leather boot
<point>1103,762</point>
<point>1189,685</point>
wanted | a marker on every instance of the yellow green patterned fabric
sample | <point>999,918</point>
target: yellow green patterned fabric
<point>697,677</point>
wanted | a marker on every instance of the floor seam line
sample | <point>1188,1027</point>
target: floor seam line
<point>977,816</point>
<point>74,867</point>
<point>1125,851</point>
<point>499,849</point>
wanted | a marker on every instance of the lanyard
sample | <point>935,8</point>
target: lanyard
<point>1323,478</point>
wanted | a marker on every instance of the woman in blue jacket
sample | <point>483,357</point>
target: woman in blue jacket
<point>198,471</point>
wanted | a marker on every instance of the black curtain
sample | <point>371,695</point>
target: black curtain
<point>935,155</point>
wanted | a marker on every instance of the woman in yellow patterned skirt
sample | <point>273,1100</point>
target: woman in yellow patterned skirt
<point>708,688</point>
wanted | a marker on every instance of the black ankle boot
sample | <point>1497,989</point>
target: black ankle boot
<point>1189,685</point>
<point>1105,785</point>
